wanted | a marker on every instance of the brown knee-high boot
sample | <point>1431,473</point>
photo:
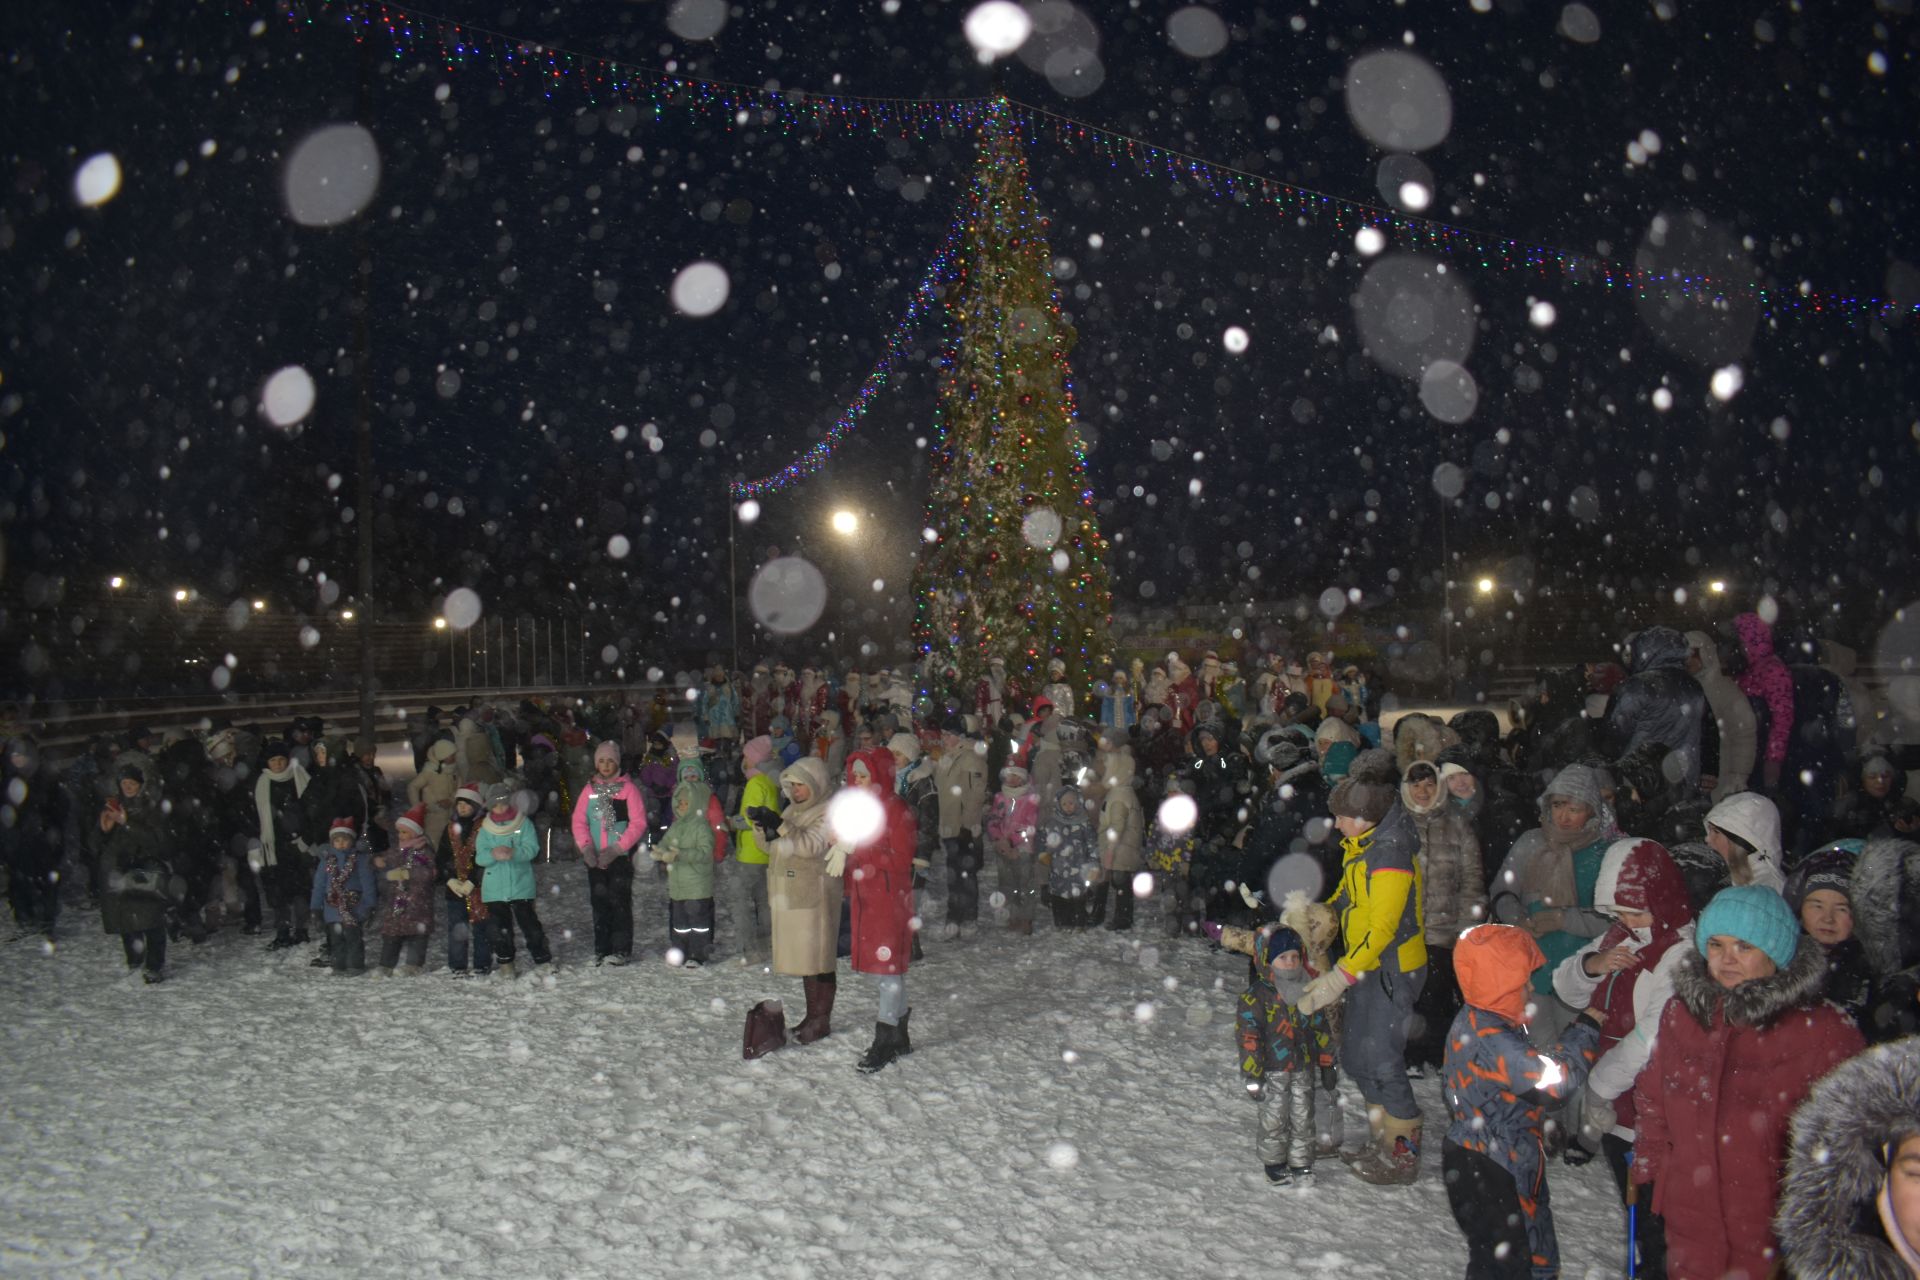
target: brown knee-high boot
<point>820,992</point>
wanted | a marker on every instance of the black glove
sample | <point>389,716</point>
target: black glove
<point>768,820</point>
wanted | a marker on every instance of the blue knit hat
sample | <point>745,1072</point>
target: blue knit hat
<point>1757,916</point>
<point>1275,941</point>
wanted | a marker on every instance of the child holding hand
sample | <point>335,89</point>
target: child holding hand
<point>1279,1056</point>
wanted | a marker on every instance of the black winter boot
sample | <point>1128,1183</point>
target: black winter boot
<point>885,1048</point>
<point>906,1040</point>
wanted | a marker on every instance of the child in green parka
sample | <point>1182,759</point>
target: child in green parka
<point>687,852</point>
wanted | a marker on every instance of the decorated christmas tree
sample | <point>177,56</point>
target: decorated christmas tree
<point>1016,566</point>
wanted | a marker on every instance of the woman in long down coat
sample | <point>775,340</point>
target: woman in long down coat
<point>1740,1046</point>
<point>879,883</point>
<point>804,900</point>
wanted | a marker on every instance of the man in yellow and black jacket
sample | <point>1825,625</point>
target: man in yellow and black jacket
<point>1385,964</point>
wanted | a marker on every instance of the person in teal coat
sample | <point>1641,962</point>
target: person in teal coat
<point>506,847</point>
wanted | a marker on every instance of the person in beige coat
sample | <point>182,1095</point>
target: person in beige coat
<point>960,782</point>
<point>1732,713</point>
<point>803,891</point>
<point>1123,829</point>
<point>432,789</point>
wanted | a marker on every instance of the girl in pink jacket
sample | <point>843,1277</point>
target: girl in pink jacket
<point>608,821</point>
<point>1010,826</point>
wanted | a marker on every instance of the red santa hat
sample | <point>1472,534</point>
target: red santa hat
<point>470,792</point>
<point>1041,704</point>
<point>413,822</point>
<point>342,826</point>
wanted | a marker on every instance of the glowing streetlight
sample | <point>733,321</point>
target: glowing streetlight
<point>180,595</point>
<point>845,523</point>
<point>346,615</point>
<point>116,582</point>
<point>1484,586</point>
<point>1718,587</point>
<point>259,606</point>
<point>439,624</point>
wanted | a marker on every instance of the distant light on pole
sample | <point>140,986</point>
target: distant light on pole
<point>180,595</point>
<point>116,582</point>
<point>1717,586</point>
<point>845,523</point>
<point>259,606</point>
<point>1484,586</point>
<point>346,615</point>
<point>439,624</point>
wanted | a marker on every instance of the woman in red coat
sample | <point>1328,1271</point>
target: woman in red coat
<point>879,877</point>
<point>1740,1046</point>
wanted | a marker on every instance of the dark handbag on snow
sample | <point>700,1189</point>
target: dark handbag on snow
<point>766,1029</point>
<point>149,880</point>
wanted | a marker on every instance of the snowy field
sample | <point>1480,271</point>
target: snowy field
<point>1072,1108</point>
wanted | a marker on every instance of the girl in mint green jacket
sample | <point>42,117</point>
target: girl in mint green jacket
<point>506,847</point>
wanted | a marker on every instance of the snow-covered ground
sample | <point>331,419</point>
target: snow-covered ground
<point>1072,1108</point>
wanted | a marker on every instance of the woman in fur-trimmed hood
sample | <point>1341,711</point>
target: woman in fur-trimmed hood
<point>1853,1153</point>
<point>1885,896</point>
<point>1740,1046</point>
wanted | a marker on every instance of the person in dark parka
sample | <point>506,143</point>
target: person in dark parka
<point>1659,702</point>
<point>134,836</point>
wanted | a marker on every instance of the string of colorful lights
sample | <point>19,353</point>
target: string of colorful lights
<point>940,270</point>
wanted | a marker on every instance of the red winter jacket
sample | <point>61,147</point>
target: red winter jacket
<point>1727,1073</point>
<point>879,876</point>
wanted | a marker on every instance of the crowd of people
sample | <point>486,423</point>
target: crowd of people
<point>1640,923</point>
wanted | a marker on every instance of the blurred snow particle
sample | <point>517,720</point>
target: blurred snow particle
<point>1412,311</point>
<point>1369,241</point>
<point>1399,172</point>
<point>618,546</point>
<point>748,511</point>
<point>1768,609</point>
<point>697,19</point>
<point>1662,399</point>
<point>1143,1012</point>
<point>1541,315</point>
<point>221,678</point>
<point>1579,24</point>
<point>1333,602</point>
<point>1398,101</point>
<point>309,637</point>
<point>98,180</point>
<point>1449,481</point>
<point>1877,63</point>
<point>1584,504</point>
<point>1064,46</point>
<point>447,384</point>
<point>1061,1155</point>
<point>855,816</point>
<point>675,957</point>
<point>461,608</point>
<point>1780,429</point>
<point>700,289</point>
<point>331,175</point>
<point>1712,325</point>
<point>1041,528</point>
<point>1197,32</point>
<point>787,595</point>
<point>1143,884</point>
<point>1234,339</point>
<point>1449,392</point>
<point>609,654</point>
<point>996,28</point>
<point>1415,195</point>
<point>1726,382</point>
<point>1177,814</point>
<point>441,92</point>
<point>288,396</point>
<point>1061,561</point>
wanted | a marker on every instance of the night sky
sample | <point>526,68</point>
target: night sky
<point>520,243</point>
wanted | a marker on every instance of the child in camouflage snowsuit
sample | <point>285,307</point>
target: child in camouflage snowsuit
<point>1497,1085</point>
<point>1169,856</point>
<point>1281,1053</point>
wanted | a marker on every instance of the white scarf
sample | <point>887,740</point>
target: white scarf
<point>263,805</point>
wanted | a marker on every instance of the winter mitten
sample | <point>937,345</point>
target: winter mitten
<point>1325,991</point>
<point>1248,896</point>
<point>502,854</point>
<point>837,860</point>
<point>461,887</point>
<point>1211,928</point>
<point>921,864</point>
<point>398,875</point>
